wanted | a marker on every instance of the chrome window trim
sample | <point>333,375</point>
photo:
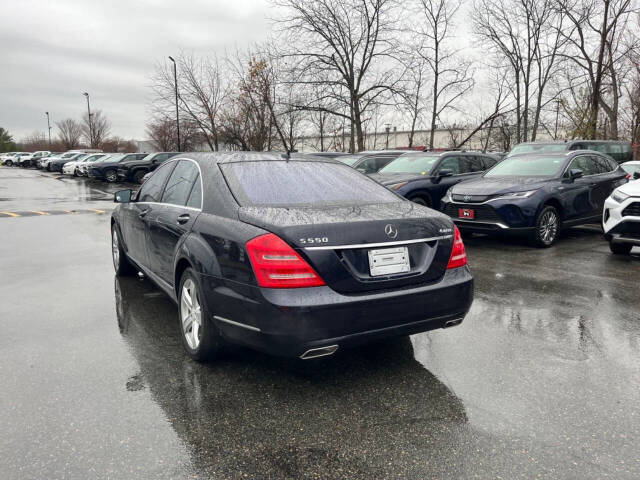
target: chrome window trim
<point>171,160</point>
<point>380,244</point>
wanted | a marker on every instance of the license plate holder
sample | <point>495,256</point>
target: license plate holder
<point>466,213</point>
<point>389,261</point>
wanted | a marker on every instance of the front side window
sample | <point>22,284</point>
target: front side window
<point>300,183</point>
<point>450,163</point>
<point>151,190</point>
<point>180,182</point>
<point>584,163</point>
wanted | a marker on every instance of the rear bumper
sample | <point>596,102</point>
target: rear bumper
<point>289,322</point>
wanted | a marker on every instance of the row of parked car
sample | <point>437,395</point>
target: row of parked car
<point>110,167</point>
<point>537,189</point>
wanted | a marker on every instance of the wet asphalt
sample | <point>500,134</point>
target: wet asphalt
<point>542,379</point>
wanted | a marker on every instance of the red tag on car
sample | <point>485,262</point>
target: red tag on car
<point>466,213</point>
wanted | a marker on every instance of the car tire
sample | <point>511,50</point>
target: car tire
<point>138,176</point>
<point>8,163</point>
<point>547,227</point>
<point>200,338</point>
<point>423,200</point>
<point>121,263</point>
<point>110,176</point>
<point>620,248</point>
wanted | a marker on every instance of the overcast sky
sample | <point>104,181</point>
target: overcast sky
<point>53,50</point>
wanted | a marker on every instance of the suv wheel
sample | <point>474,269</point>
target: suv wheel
<point>620,248</point>
<point>547,227</point>
<point>421,200</point>
<point>199,336</point>
<point>8,163</point>
<point>138,176</point>
<point>111,176</point>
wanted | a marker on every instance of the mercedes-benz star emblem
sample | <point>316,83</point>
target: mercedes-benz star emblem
<point>391,231</point>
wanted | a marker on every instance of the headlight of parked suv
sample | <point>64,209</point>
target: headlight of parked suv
<point>396,186</point>
<point>619,196</point>
<point>518,194</point>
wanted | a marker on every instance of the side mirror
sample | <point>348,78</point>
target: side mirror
<point>636,175</point>
<point>123,196</point>
<point>575,173</point>
<point>445,172</point>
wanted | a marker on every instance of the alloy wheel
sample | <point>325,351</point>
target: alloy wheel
<point>111,176</point>
<point>191,314</point>
<point>115,248</point>
<point>548,227</point>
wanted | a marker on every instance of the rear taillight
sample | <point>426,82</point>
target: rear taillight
<point>277,265</point>
<point>458,256</point>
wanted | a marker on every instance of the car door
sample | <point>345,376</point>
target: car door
<point>174,218</point>
<point>606,180</point>
<point>577,196</point>
<point>137,215</point>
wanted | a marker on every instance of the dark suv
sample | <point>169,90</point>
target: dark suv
<point>536,194</point>
<point>620,151</point>
<point>371,161</point>
<point>424,177</point>
<point>107,168</point>
<point>135,170</point>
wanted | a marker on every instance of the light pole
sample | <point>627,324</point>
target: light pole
<point>555,134</point>
<point>175,83</point>
<point>89,120</point>
<point>387,128</point>
<point>48,128</point>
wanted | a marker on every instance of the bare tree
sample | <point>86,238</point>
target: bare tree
<point>203,90</point>
<point>69,133</point>
<point>525,36</point>
<point>96,130</point>
<point>411,94</point>
<point>451,74</point>
<point>346,45</point>
<point>596,50</point>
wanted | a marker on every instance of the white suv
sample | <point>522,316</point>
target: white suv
<point>621,218</point>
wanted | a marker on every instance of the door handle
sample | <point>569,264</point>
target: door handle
<point>184,218</point>
<point>143,213</point>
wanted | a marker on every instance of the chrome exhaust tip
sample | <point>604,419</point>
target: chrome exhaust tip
<point>452,323</point>
<point>319,352</point>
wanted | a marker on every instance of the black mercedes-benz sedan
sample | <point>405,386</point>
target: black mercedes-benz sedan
<point>536,194</point>
<point>296,256</point>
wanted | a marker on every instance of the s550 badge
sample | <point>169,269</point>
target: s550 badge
<point>314,240</point>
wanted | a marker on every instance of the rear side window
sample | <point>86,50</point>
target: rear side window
<point>295,183</point>
<point>180,182</point>
<point>151,190</point>
<point>471,164</point>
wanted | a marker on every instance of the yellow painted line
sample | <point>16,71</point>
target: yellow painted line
<point>10,214</point>
<point>39,212</point>
<point>97,211</point>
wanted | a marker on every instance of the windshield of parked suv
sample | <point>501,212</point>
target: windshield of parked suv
<point>538,148</point>
<point>295,183</point>
<point>411,164</point>
<point>349,159</point>
<point>67,155</point>
<point>93,158</point>
<point>113,158</point>
<point>528,166</point>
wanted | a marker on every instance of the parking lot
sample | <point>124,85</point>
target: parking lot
<point>540,381</point>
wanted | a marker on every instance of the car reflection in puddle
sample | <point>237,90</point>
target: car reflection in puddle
<point>370,412</point>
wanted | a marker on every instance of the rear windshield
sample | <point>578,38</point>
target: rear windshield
<point>524,166</point>
<point>411,164</point>
<point>538,148</point>
<point>294,183</point>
